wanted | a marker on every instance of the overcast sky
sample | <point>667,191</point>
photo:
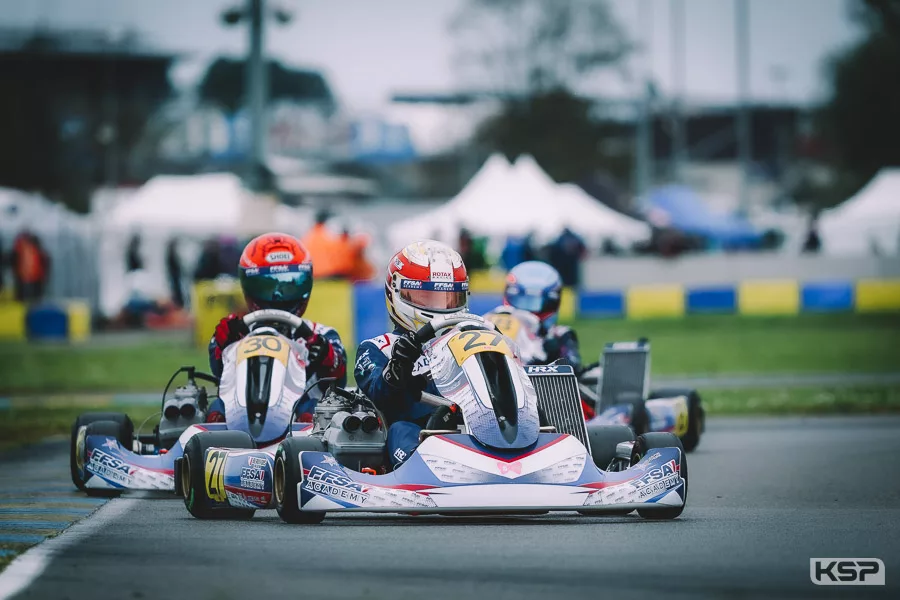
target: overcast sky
<point>371,48</point>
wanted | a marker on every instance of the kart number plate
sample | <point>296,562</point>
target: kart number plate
<point>215,475</point>
<point>263,345</point>
<point>507,324</point>
<point>468,343</point>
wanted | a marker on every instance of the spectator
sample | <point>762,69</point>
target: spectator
<point>813,242</point>
<point>173,270</point>
<point>566,254</point>
<point>208,265</point>
<point>324,248</point>
<point>133,259</point>
<point>30,267</point>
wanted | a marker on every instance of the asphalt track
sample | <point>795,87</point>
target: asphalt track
<point>765,496</point>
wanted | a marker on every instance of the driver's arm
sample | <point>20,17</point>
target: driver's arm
<point>333,363</point>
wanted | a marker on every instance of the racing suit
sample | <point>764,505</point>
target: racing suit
<point>401,407</point>
<point>332,364</point>
<point>558,341</point>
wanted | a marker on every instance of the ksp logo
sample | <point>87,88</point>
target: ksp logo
<point>846,571</point>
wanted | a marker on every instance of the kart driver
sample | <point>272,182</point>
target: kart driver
<point>276,271</point>
<point>424,279</point>
<point>534,288</point>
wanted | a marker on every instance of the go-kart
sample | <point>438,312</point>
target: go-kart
<point>263,378</point>
<point>621,398</point>
<point>520,446</point>
<point>617,389</point>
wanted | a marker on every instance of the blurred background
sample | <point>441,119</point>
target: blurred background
<point>668,157</point>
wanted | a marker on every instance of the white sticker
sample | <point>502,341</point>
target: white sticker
<point>282,256</point>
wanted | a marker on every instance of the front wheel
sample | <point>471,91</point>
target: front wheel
<point>118,425</point>
<point>194,478</point>
<point>654,441</point>
<point>288,475</point>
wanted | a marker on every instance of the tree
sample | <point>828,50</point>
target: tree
<point>527,47</point>
<point>557,129</point>
<point>223,84</point>
<point>534,54</point>
<point>861,119</point>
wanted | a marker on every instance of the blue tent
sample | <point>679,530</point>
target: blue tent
<point>687,212</point>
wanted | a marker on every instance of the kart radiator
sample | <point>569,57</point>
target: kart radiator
<point>559,399</point>
<point>626,372</point>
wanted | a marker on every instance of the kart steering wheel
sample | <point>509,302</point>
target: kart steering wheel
<point>430,329</point>
<point>273,315</point>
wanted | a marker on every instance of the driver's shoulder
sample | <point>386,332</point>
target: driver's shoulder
<point>382,342</point>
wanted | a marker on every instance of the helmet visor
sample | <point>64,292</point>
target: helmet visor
<point>282,286</point>
<point>434,295</point>
<point>539,303</point>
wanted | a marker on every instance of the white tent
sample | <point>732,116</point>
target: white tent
<point>190,208</point>
<point>868,222</point>
<point>503,200</point>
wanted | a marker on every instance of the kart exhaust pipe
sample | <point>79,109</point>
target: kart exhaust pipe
<point>369,422</point>
<point>346,421</point>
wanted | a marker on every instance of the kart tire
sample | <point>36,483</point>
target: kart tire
<point>640,420</point>
<point>696,414</point>
<point>287,474</point>
<point>604,439</point>
<point>124,433</point>
<point>193,473</point>
<point>651,441</point>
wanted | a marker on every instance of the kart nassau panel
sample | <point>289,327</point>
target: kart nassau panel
<point>286,386</point>
<point>460,379</point>
<point>103,463</point>
<point>450,473</point>
<point>664,414</point>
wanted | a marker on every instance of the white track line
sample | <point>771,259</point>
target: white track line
<point>27,567</point>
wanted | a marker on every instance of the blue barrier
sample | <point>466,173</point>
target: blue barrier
<point>47,322</point>
<point>601,304</point>
<point>827,296</point>
<point>712,300</point>
<point>371,316</point>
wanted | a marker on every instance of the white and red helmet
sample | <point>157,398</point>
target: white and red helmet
<point>425,279</point>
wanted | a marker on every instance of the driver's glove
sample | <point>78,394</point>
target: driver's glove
<point>404,355</point>
<point>229,330</point>
<point>317,346</point>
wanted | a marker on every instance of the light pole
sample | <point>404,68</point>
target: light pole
<point>744,132</point>
<point>678,67</point>
<point>256,83</point>
<point>644,146</point>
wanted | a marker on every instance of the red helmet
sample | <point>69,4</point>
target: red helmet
<point>425,279</point>
<point>276,272</point>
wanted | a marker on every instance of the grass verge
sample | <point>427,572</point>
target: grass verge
<point>808,401</point>
<point>713,344</point>
<point>20,426</point>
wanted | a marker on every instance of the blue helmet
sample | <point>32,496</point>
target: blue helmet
<point>536,287</point>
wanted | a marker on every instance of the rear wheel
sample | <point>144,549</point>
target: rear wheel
<point>120,427</point>
<point>289,473</point>
<point>193,473</point>
<point>696,417</point>
<point>652,441</point>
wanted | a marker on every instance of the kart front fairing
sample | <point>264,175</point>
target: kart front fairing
<point>663,414</point>
<point>454,473</point>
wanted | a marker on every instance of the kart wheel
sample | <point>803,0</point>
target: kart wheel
<point>604,439</point>
<point>193,473</point>
<point>124,432</point>
<point>288,473</point>
<point>640,420</point>
<point>696,415</point>
<point>651,441</point>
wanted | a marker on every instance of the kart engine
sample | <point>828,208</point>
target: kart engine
<point>186,407</point>
<point>350,429</point>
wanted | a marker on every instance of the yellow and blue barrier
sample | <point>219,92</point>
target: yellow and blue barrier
<point>69,320</point>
